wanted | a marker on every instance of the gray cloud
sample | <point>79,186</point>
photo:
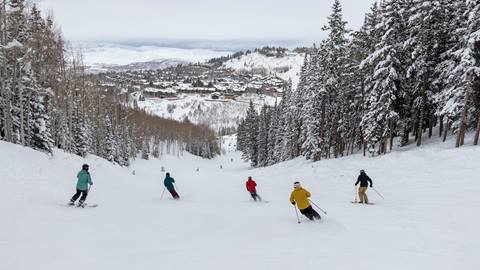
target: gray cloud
<point>156,20</point>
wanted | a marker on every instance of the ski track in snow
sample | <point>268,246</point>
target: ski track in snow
<point>429,219</point>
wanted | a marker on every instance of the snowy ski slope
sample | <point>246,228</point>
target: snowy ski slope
<point>429,219</point>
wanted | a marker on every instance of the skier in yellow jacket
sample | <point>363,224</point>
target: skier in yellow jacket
<point>300,197</point>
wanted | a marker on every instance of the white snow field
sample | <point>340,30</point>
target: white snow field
<point>428,220</point>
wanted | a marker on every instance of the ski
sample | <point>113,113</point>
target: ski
<point>86,205</point>
<point>362,203</point>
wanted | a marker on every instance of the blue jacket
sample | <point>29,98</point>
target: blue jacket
<point>83,180</point>
<point>168,182</point>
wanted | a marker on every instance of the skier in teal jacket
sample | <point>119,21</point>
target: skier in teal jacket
<point>168,183</point>
<point>83,180</point>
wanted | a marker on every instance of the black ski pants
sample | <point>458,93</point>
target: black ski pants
<point>255,196</point>
<point>174,193</point>
<point>84,194</point>
<point>310,213</point>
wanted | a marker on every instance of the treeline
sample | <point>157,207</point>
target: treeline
<point>47,100</point>
<point>412,69</point>
<point>266,51</point>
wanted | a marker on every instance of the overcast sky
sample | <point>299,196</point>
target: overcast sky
<point>156,20</point>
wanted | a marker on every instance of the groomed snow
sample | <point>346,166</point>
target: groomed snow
<point>429,219</point>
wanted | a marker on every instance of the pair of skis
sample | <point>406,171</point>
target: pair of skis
<point>84,206</point>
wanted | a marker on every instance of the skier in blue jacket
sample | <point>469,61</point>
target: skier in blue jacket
<point>83,180</point>
<point>168,183</point>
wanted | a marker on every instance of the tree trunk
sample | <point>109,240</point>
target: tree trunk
<point>430,127</point>
<point>364,148</point>
<point>445,133</point>
<point>423,109</point>
<point>463,118</point>
<point>441,126</point>
<point>477,131</point>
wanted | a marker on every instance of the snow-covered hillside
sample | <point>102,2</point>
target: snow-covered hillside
<point>428,220</point>
<point>201,109</point>
<point>286,67</point>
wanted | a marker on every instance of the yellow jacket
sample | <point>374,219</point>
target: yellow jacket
<point>300,196</point>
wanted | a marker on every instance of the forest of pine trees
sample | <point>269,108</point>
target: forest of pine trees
<point>411,72</point>
<point>47,100</point>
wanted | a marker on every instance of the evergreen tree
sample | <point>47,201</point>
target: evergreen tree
<point>380,120</point>
<point>251,136</point>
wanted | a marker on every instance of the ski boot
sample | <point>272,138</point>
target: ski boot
<point>81,204</point>
<point>71,203</point>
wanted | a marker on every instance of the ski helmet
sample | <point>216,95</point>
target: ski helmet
<point>362,171</point>
<point>296,184</point>
<point>85,167</point>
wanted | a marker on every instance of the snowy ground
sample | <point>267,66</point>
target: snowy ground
<point>429,219</point>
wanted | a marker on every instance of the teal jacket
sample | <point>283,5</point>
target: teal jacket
<point>83,180</point>
<point>168,182</point>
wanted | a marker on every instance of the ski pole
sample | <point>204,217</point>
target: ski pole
<point>296,212</point>
<point>161,197</point>
<point>88,191</point>
<point>318,207</point>
<point>378,193</point>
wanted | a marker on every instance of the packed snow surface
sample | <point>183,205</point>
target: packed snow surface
<point>428,220</point>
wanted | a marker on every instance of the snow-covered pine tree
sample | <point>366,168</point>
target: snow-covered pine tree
<point>360,80</point>
<point>39,126</point>
<point>450,99</point>
<point>263,139</point>
<point>426,38</point>
<point>251,132</point>
<point>473,57</point>
<point>109,144</point>
<point>272,132</point>
<point>335,84</point>
<point>146,148</point>
<point>293,124</point>
<point>281,125</point>
<point>80,129</point>
<point>4,89</point>
<point>313,113</point>
<point>471,79</point>
<point>380,121</point>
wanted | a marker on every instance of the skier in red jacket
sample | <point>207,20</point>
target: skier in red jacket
<point>252,188</point>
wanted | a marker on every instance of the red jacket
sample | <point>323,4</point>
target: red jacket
<point>251,186</point>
